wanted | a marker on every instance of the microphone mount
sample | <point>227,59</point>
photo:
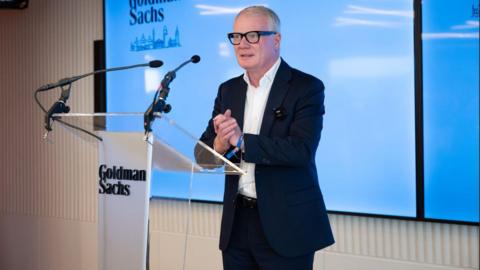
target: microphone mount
<point>58,107</point>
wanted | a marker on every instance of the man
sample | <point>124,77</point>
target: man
<point>271,117</point>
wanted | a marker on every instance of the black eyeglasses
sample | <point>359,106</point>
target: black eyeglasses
<point>252,37</point>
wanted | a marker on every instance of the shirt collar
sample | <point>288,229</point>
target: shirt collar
<point>269,76</point>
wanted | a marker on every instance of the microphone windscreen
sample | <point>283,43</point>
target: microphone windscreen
<point>195,59</point>
<point>155,63</point>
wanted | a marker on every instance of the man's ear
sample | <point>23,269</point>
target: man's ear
<point>278,38</point>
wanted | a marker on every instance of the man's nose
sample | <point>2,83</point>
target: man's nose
<point>244,43</point>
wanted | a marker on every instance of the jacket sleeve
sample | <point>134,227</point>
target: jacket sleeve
<point>299,146</point>
<point>203,156</point>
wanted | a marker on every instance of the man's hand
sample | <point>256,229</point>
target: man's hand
<point>228,131</point>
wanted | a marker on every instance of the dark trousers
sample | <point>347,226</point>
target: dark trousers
<point>248,248</point>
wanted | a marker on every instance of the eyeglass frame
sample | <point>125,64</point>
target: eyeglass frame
<point>244,35</point>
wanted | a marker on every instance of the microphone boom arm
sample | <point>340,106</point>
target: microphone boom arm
<point>66,84</point>
<point>159,104</point>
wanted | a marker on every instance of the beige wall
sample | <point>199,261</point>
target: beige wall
<point>48,189</point>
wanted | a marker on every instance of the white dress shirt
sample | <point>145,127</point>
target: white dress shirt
<point>252,121</point>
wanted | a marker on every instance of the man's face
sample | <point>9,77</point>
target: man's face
<point>259,57</point>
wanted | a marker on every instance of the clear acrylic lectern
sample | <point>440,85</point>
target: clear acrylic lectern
<point>126,162</point>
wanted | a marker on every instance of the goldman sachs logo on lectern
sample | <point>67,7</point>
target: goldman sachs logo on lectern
<point>121,175</point>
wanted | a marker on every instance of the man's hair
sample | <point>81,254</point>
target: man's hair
<point>263,11</point>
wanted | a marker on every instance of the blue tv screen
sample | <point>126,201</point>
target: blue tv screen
<point>362,51</point>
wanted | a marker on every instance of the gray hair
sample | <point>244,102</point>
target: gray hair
<point>262,11</point>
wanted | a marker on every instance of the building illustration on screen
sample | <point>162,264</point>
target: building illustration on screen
<point>153,43</point>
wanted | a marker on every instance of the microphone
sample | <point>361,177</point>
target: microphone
<point>159,100</point>
<point>155,63</point>
<point>65,83</point>
<point>280,113</point>
<point>69,80</point>
<point>195,59</point>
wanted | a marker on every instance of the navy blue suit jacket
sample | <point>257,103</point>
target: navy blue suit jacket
<point>290,203</point>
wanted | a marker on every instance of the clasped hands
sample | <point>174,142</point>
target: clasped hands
<point>227,130</point>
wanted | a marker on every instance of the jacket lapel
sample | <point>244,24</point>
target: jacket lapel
<point>275,98</point>
<point>237,105</point>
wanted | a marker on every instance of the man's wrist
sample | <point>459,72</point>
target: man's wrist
<point>237,148</point>
<point>219,147</point>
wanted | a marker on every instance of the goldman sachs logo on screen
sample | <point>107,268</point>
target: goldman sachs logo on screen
<point>121,175</point>
<point>147,11</point>
<point>157,36</point>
